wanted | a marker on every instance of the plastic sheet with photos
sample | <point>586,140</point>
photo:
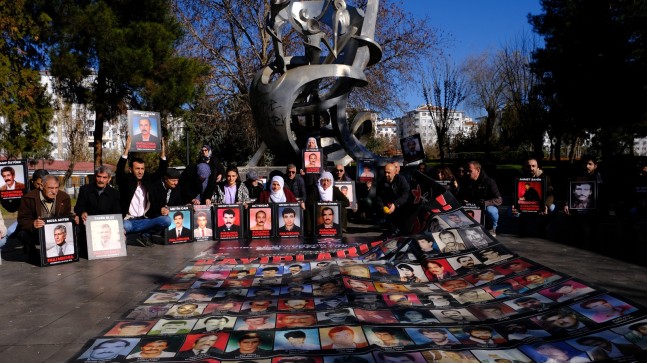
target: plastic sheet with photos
<point>400,299</point>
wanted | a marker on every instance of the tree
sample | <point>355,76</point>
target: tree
<point>119,55</point>
<point>230,36</point>
<point>486,91</point>
<point>72,122</point>
<point>24,103</point>
<point>593,68</point>
<point>523,115</point>
<point>447,91</point>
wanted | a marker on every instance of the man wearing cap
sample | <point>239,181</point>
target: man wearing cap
<point>254,187</point>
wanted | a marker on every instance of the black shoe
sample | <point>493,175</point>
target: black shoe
<point>147,241</point>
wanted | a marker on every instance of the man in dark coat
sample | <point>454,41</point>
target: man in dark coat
<point>480,189</point>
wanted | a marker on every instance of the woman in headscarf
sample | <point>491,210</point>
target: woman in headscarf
<point>232,190</point>
<point>197,184</point>
<point>326,192</point>
<point>278,192</point>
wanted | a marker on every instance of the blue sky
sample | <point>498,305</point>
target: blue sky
<point>474,25</point>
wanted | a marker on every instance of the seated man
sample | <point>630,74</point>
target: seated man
<point>135,196</point>
<point>38,204</point>
<point>480,189</point>
<point>392,193</point>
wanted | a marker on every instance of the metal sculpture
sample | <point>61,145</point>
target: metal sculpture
<point>296,97</point>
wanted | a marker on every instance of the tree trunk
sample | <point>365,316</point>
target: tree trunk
<point>100,118</point>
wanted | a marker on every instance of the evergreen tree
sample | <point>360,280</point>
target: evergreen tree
<point>120,55</point>
<point>24,105</point>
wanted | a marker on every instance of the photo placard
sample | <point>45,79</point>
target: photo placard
<point>312,161</point>
<point>180,230</point>
<point>13,184</point>
<point>529,194</point>
<point>412,149</point>
<point>347,188</point>
<point>583,196</point>
<point>475,212</point>
<point>327,219</point>
<point>202,222</point>
<point>58,241</point>
<point>289,218</point>
<point>366,169</point>
<point>105,236</point>
<point>145,130</point>
<point>260,218</point>
<point>229,219</point>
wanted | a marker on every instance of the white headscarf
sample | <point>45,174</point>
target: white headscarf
<point>277,197</point>
<point>326,195</point>
<point>314,141</point>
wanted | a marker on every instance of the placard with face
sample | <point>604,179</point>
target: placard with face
<point>260,221</point>
<point>105,236</point>
<point>145,131</point>
<point>58,241</point>
<point>13,184</point>
<point>180,231</point>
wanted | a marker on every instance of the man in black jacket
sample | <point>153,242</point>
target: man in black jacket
<point>95,199</point>
<point>480,189</point>
<point>134,188</point>
<point>392,193</point>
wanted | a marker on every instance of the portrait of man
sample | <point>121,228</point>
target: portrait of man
<point>214,324</point>
<point>172,327</point>
<point>62,246</point>
<point>528,192</point>
<point>411,149</point>
<point>199,345</point>
<point>604,308</point>
<point>262,221</point>
<point>434,336</point>
<point>343,337</point>
<point>177,230</point>
<point>475,237</point>
<point>9,177</point>
<point>130,328</point>
<point>454,316</point>
<point>256,322</point>
<point>107,239</point>
<point>567,291</point>
<point>480,335</point>
<point>560,321</point>
<point>109,349</point>
<point>582,195</point>
<point>465,264</point>
<point>249,344</point>
<point>312,160</point>
<point>290,223</point>
<point>388,337</point>
<point>449,242</point>
<point>144,131</point>
<point>336,317</point>
<point>295,320</point>
<point>228,221</point>
<point>153,348</point>
<point>202,223</point>
<point>186,310</point>
<point>367,172</point>
<point>555,352</point>
<point>328,219</point>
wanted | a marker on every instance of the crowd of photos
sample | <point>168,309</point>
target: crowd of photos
<point>450,294</point>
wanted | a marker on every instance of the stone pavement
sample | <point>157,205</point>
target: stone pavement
<point>48,314</point>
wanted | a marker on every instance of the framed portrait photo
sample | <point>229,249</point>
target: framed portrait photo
<point>312,162</point>
<point>347,188</point>
<point>14,181</point>
<point>229,219</point>
<point>529,194</point>
<point>475,212</point>
<point>105,236</point>
<point>412,149</point>
<point>366,169</point>
<point>583,196</point>
<point>260,218</point>
<point>289,220</point>
<point>327,219</point>
<point>202,222</point>
<point>58,241</point>
<point>181,229</point>
<point>145,130</point>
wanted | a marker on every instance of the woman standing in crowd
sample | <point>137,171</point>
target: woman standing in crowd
<point>232,191</point>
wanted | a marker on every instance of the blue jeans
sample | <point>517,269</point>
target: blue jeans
<point>10,230</point>
<point>146,225</point>
<point>492,211</point>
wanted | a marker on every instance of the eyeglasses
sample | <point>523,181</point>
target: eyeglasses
<point>339,171</point>
<point>292,171</point>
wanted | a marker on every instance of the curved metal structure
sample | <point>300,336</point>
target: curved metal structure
<point>296,97</point>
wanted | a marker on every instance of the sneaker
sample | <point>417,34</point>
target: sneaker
<point>492,232</point>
